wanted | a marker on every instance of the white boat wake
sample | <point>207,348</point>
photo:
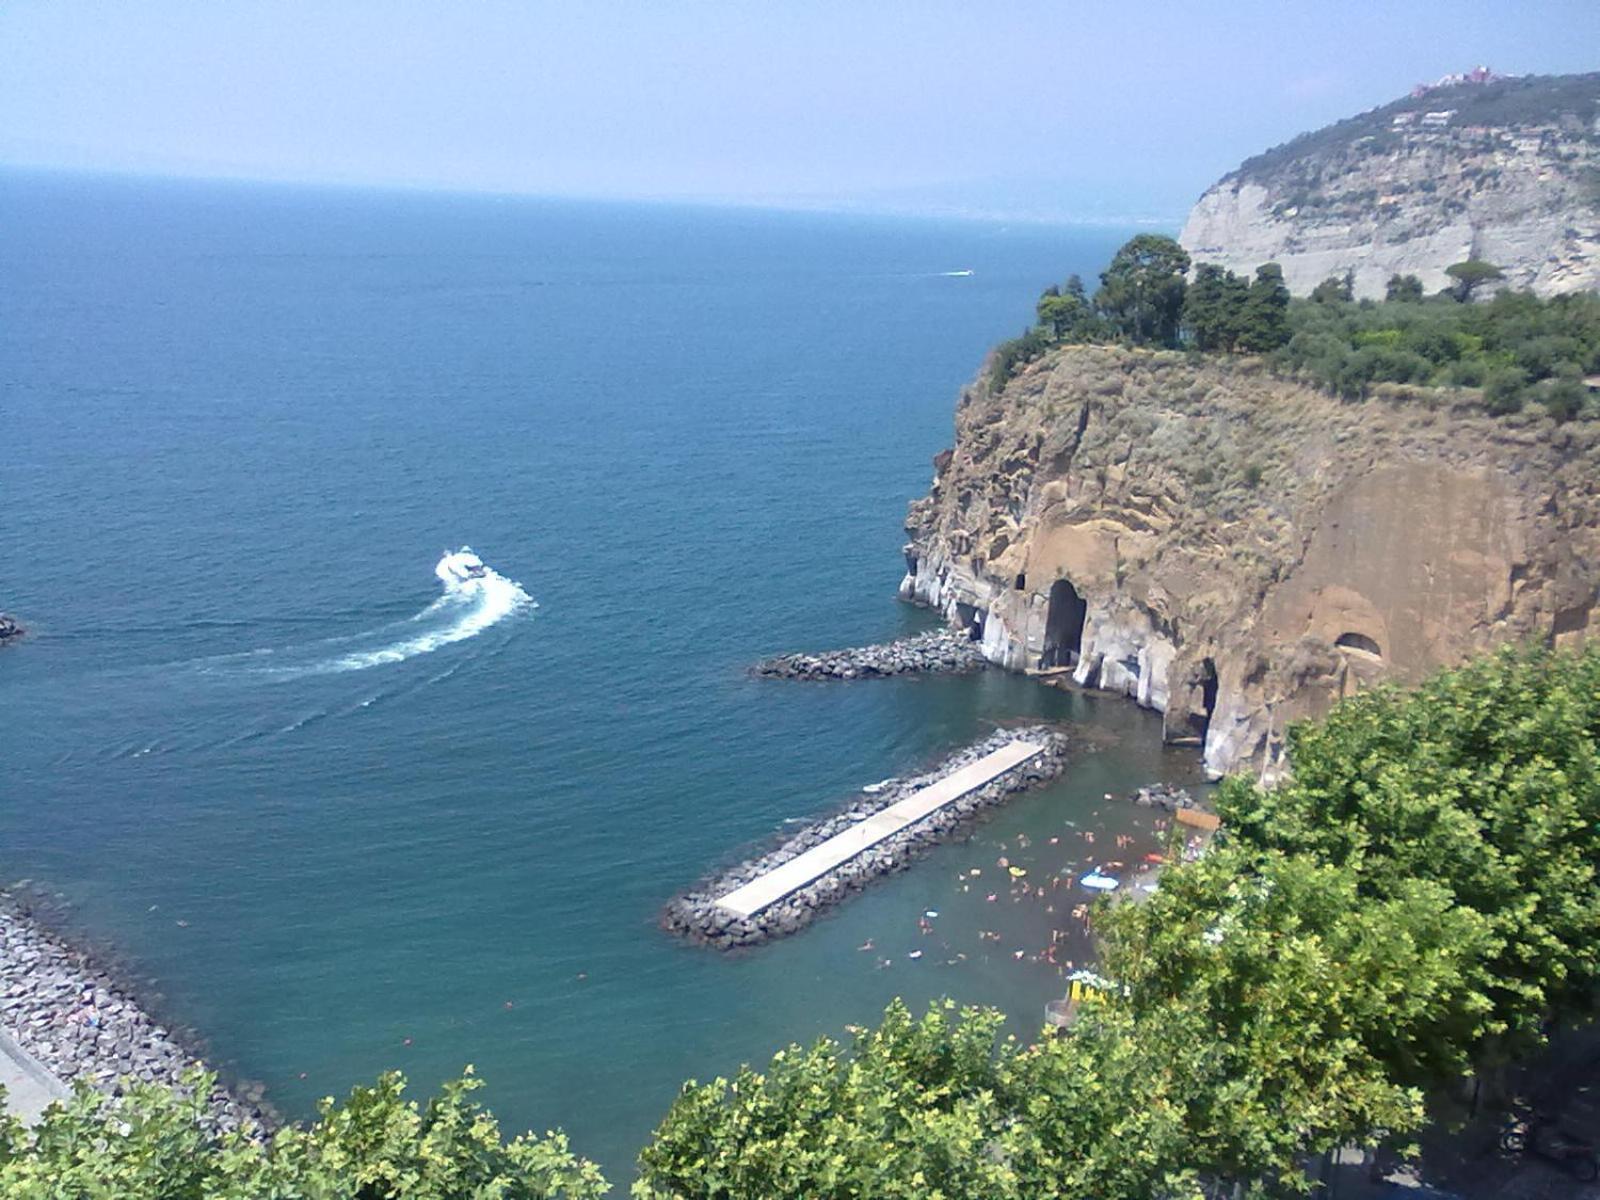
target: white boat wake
<point>476,597</point>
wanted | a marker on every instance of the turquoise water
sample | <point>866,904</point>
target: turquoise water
<point>351,819</point>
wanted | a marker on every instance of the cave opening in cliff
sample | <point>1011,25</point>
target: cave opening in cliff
<point>1063,625</point>
<point>971,620</point>
<point>1206,680</point>
<point>1361,642</point>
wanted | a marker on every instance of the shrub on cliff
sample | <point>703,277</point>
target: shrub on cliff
<point>155,1145</point>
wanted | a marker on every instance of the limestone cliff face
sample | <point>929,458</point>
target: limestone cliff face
<point>1236,550</point>
<point>1507,171</point>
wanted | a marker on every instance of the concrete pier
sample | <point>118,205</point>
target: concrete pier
<point>30,1087</point>
<point>773,886</point>
<point>781,890</point>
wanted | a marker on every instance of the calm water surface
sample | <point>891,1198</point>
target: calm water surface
<point>352,819</point>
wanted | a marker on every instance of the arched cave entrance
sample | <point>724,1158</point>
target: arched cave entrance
<point>1063,625</point>
<point>1361,642</point>
<point>971,620</point>
<point>1206,683</point>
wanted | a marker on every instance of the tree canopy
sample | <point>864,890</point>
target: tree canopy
<point>1141,292</point>
<point>155,1144</point>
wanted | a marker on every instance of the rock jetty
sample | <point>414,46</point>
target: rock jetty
<point>1164,796</point>
<point>938,650</point>
<point>82,1025</point>
<point>695,914</point>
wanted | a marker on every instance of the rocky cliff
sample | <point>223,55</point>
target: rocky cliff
<point>1237,550</point>
<point>1507,171</point>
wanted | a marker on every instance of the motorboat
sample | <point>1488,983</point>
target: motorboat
<point>461,566</point>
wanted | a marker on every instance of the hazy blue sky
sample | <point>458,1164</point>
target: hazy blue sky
<point>1109,108</point>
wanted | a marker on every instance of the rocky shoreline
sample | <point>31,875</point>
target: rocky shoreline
<point>82,1023</point>
<point>695,915</point>
<point>937,650</point>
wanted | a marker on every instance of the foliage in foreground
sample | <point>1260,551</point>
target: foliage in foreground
<point>155,1145</point>
<point>1418,900</point>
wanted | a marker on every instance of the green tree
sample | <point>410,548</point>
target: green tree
<point>1504,390</point>
<point>1564,395</point>
<point>1141,292</point>
<point>155,1144</point>
<point>1264,322</point>
<point>912,1112</point>
<point>1213,307</point>
<point>1471,275</point>
<point>1486,782</point>
<point>1335,289</point>
<point>1403,289</point>
<point>1065,317</point>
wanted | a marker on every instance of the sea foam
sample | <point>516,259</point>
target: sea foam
<point>466,609</point>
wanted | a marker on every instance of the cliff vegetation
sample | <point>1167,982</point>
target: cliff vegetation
<point>1518,347</point>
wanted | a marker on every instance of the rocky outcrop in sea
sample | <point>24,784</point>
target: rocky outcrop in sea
<point>938,650</point>
<point>1164,796</point>
<point>83,1025</point>
<point>696,915</point>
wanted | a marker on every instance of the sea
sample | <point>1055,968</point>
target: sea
<point>341,814</point>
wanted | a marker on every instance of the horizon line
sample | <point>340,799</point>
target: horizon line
<point>840,206</point>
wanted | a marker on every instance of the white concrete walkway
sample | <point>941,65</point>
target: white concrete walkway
<point>756,895</point>
<point>29,1087</point>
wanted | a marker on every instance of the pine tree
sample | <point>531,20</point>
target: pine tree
<point>1265,323</point>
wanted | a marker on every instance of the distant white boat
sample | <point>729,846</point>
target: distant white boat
<point>1097,881</point>
<point>955,274</point>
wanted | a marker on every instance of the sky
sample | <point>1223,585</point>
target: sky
<point>1012,108</point>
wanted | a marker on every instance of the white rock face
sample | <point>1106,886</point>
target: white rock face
<point>1400,197</point>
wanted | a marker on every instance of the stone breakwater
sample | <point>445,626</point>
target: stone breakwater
<point>934,651</point>
<point>82,1025</point>
<point>696,915</point>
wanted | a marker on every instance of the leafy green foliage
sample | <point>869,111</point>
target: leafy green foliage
<point>910,1114</point>
<point>1141,292</point>
<point>1401,289</point>
<point>1213,306</point>
<point>154,1144</point>
<point>1509,346</point>
<point>1471,275</point>
<point>1264,320</point>
<point>1485,782</point>
<point>1335,288</point>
